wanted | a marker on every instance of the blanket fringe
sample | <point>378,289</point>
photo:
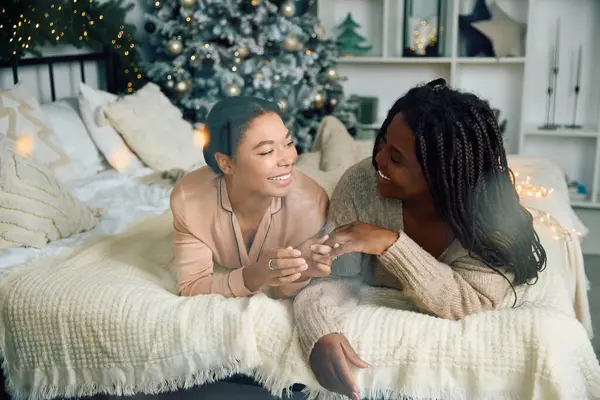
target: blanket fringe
<point>278,386</point>
<point>47,390</point>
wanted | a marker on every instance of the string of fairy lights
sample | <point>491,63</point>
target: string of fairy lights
<point>76,22</point>
<point>526,189</point>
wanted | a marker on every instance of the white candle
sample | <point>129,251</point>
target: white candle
<point>557,44</point>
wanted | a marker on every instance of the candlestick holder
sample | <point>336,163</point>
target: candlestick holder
<point>574,124</point>
<point>577,89</point>
<point>552,84</point>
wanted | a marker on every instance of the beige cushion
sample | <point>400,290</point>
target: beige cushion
<point>22,120</point>
<point>34,207</point>
<point>308,163</point>
<point>155,130</point>
<point>337,146</point>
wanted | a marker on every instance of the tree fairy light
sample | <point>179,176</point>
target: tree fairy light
<point>525,189</point>
<point>73,22</point>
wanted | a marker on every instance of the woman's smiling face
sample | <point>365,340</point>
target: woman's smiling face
<point>399,172</point>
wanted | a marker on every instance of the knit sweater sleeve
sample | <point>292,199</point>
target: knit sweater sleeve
<point>450,291</point>
<point>322,307</point>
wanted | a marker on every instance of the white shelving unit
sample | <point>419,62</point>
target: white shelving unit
<point>515,85</point>
<point>577,151</point>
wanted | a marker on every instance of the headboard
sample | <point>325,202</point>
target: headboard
<point>104,59</point>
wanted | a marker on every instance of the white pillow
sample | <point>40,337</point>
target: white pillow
<point>22,120</point>
<point>154,128</point>
<point>107,140</point>
<point>75,140</point>
<point>34,206</point>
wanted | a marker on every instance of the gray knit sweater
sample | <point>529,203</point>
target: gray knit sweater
<point>453,286</point>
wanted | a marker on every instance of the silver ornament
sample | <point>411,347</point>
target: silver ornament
<point>332,74</point>
<point>187,3</point>
<point>288,9</point>
<point>243,51</point>
<point>333,102</point>
<point>276,78</point>
<point>170,84</point>
<point>291,43</point>
<point>319,31</point>
<point>175,46</point>
<point>182,87</point>
<point>232,90</point>
<point>247,30</point>
<point>283,105</point>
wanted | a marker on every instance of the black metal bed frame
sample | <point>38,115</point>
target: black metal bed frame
<point>105,56</point>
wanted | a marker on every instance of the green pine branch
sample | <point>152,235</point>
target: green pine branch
<point>32,24</point>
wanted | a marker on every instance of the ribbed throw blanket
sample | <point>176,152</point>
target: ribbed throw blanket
<point>106,320</point>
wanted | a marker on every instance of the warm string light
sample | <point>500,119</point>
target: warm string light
<point>123,44</point>
<point>525,189</point>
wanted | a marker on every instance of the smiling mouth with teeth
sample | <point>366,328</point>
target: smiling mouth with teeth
<point>281,177</point>
<point>383,176</point>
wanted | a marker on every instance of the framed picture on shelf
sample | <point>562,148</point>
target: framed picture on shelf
<point>424,28</point>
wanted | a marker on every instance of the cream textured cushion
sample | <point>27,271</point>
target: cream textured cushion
<point>106,138</point>
<point>337,146</point>
<point>22,120</point>
<point>155,129</point>
<point>34,207</point>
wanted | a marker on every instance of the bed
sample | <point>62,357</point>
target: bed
<point>134,220</point>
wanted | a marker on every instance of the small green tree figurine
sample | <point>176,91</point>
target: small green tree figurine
<point>349,41</point>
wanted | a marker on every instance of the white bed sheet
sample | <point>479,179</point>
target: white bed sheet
<point>123,200</point>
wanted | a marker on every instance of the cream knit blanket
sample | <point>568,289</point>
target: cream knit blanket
<point>106,319</point>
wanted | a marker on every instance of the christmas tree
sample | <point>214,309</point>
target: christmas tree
<point>29,25</point>
<point>349,41</point>
<point>206,50</point>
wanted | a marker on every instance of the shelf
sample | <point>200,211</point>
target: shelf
<point>374,126</point>
<point>585,204</point>
<point>432,60</point>
<point>490,60</point>
<point>394,60</point>
<point>586,132</point>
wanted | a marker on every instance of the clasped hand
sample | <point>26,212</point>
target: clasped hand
<point>284,266</point>
<point>360,237</point>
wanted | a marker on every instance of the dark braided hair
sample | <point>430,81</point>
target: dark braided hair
<point>461,153</point>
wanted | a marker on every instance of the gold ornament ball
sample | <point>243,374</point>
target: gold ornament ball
<point>291,43</point>
<point>182,87</point>
<point>332,74</point>
<point>319,99</point>
<point>187,3</point>
<point>243,51</point>
<point>288,9</point>
<point>232,90</point>
<point>175,46</point>
<point>283,105</point>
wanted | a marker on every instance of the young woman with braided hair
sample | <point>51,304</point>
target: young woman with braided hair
<point>434,213</point>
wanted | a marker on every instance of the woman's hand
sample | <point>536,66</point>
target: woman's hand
<point>317,255</point>
<point>361,237</point>
<point>275,268</point>
<point>330,361</point>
